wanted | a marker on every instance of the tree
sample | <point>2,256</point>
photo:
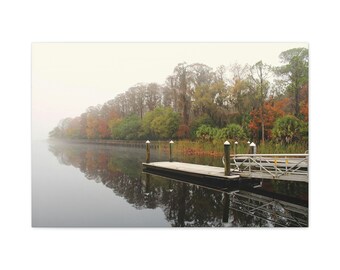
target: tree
<point>73,129</point>
<point>161,123</point>
<point>170,94</point>
<point>55,133</point>
<point>135,100</point>
<point>92,119</point>
<point>153,96</point>
<point>126,129</point>
<point>304,103</point>
<point>238,93</point>
<point>199,74</point>
<point>294,73</point>
<point>273,109</point>
<point>258,77</point>
<point>181,83</point>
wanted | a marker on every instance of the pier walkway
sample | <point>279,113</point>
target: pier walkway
<point>288,167</point>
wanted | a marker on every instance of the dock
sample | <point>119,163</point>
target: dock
<point>195,170</point>
<point>242,167</point>
<point>208,176</point>
<point>238,167</point>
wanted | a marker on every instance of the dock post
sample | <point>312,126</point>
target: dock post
<point>252,148</point>
<point>227,158</point>
<point>147,151</point>
<point>235,147</point>
<point>170,147</point>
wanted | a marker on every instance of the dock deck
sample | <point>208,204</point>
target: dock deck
<point>191,169</point>
<point>244,169</point>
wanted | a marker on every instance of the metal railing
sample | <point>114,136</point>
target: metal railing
<point>276,166</point>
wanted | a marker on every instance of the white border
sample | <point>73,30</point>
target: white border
<point>24,22</point>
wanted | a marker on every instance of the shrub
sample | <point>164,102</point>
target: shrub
<point>206,133</point>
<point>287,129</point>
<point>232,132</point>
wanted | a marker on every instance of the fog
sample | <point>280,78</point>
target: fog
<point>67,78</point>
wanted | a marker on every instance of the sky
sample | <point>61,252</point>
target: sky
<point>67,78</point>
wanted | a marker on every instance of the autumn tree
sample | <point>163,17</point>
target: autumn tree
<point>92,120</point>
<point>273,109</point>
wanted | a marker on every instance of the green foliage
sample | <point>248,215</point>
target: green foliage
<point>127,129</point>
<point>232,131</point>
<point>304,131</point>
<point>202,120</point>
<point>287,129</point>
<point>161,123</point>
<point>206,133</point>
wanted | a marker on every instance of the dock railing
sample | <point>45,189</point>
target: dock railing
<point>274,166</point>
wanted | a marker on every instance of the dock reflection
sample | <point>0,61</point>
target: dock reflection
<point>185,202</point>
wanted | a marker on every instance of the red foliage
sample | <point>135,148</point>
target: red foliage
<point>183,131</point>
<point>103,129</point>
<point>271,111</point>
<point>304,102</point>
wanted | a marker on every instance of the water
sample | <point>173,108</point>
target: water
<point>87,185</point>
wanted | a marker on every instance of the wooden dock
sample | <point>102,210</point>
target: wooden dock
<point>191,169</point>
<point>252,171</point>
<point>239,167</point>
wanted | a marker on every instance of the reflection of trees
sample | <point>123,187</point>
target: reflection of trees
<point>183,204</point>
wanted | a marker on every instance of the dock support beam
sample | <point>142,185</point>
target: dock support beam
<point>147,151</point>
<point>170,148</point>
<point>227,158</point>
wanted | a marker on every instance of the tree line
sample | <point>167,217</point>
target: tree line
<point>256,102</point>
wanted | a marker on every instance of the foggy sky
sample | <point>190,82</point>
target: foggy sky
<point>67,78</point>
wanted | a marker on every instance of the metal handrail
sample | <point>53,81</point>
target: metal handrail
<point>276,167</point>
<point>270,155</point>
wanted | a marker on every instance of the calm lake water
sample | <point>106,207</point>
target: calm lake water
<point>88,185</point>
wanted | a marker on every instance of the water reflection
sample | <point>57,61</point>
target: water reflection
<point>183,204</point>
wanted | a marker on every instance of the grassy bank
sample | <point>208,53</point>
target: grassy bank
<point>216,148</point>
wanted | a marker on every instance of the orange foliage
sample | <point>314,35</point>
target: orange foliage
<point>272,111</point>
<point>103,129</point>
